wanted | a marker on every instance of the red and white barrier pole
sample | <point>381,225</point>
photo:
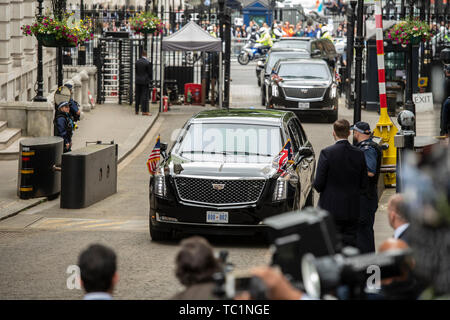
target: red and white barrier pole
<point>385,129</point>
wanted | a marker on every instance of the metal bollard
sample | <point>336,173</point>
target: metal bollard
<point>37,176</point>
<point>404,141</point>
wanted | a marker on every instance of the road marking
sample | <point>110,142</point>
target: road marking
<point>90,224</point>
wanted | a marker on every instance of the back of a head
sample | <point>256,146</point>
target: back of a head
<point>397,203</point>
<point>341,128</point>
<point>144,53</point>
<point>98,264</point>
<point>195,262</point>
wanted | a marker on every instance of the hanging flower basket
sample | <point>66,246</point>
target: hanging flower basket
<point>49,40</point>
<point>146,23</point>
<point>54,32</point>
<point>409,31</point>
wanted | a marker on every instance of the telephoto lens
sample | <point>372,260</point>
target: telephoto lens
<point>324,275</point>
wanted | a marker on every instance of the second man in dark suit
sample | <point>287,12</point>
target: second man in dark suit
<point>340,178</point>
<point>143,78</point>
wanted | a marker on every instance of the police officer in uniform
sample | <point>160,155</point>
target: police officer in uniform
<point>369,197</point>
<point>63,125</point>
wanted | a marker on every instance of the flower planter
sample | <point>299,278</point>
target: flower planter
<point>49,40</point>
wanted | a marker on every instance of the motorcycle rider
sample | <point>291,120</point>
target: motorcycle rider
<point>265,39</point>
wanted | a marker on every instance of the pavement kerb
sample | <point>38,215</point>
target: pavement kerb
<point>37,201</point>
<point>139,140</point>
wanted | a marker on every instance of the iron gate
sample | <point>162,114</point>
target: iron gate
<point>115,59</point>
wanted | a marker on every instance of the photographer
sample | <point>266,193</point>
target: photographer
<point>195,267</point>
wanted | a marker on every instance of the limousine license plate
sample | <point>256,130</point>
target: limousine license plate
<point>216,217</point>
<point>303,105</point>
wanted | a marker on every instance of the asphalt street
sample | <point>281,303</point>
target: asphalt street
<point>39,245</point>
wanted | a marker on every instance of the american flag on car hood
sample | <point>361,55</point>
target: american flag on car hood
<point>153,159</point>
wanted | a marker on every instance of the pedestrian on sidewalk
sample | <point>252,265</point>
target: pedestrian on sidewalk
<point>340,177</point>
<point>143,79</point>
<point>362,139</point>
<point>63,125</point>
<point>98,268</point>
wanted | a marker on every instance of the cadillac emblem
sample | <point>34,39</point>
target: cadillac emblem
<point>218,186</point>
<point>304,90</point>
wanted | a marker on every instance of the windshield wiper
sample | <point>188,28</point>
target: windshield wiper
<point>310,77</point>
<point>227,153</point>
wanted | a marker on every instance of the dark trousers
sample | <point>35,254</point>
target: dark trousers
<point>142,97</point>
<point>366,237</point>
<point>347,230</point>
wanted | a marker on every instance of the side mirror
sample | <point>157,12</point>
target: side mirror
<point>316,53</point>
<point>305,152</point>
<point>163,149</point>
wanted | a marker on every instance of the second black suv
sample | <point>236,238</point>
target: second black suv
<point>305,86</point>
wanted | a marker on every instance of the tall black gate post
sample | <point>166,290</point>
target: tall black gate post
<point>350,41</point>
<point>359,46</point>
<point>409,105</point>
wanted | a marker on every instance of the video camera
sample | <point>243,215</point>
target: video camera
<point>307,249</point>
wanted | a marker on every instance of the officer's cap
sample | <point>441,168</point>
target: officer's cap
<point>362,127</point>
<point>63,104</point>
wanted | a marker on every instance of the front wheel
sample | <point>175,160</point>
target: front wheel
<point>243,58</point>
<point>158,235</point>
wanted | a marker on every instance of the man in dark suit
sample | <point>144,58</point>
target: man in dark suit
<point>397,217</point>
<point>143,78</point>
<point>340,178</point>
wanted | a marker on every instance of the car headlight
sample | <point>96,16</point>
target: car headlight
<point>281,187</point>
<point>275,92</point>
<point>160,183</point>
<point>333,92</point>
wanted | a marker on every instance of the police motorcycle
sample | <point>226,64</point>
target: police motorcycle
<point>252,50</point>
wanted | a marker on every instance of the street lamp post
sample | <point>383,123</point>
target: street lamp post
<point>350,42</point>
<point>359,46</point>
<point>145,34</point>
<point>82,47</point>
<point>40,78</point>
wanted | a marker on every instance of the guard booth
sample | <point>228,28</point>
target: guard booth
<point>258,11</point>
<point>396,57</point>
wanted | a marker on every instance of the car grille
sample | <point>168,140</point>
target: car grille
<point>304,93</point>
<point>233,191</point>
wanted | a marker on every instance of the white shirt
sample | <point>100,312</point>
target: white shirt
<point>341,140</point>
<point>398,232</point>
<point>97,296</point>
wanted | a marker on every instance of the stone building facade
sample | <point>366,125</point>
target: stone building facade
<point>18,54</point>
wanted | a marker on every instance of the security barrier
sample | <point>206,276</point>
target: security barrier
<point>88,175</point>
<point>37,158</point>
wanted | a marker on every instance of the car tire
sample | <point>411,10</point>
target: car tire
<point>333,117</point>
<point>158,235</point>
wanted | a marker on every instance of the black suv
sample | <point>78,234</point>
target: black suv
<point>273,57</point>
<point>221,176</point>
<point>318,48</point>
<point>305,86</point>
